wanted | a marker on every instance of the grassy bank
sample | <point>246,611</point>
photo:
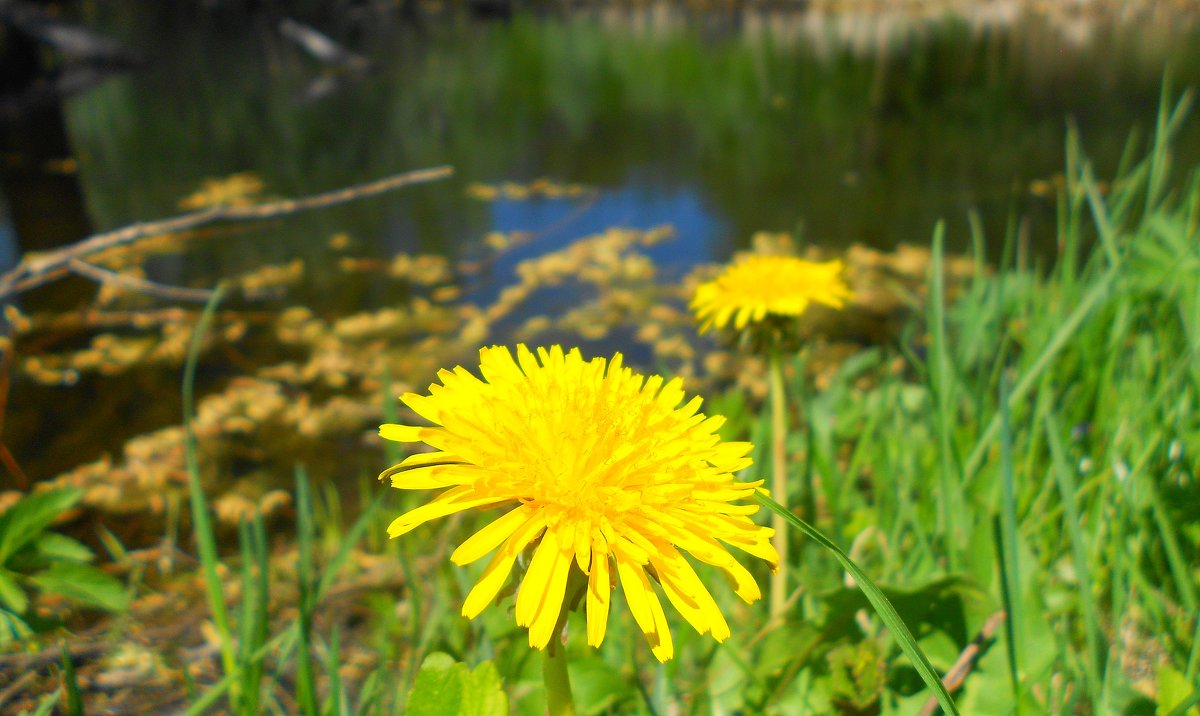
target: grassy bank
<point>1017,469</point>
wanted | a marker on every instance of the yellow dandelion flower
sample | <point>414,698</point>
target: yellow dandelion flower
<point>754,287</point>
<point>599,467</point>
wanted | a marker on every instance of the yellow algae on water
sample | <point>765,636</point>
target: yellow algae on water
<point>241,189</point>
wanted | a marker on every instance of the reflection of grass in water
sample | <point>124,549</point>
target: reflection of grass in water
<point>872,149</point>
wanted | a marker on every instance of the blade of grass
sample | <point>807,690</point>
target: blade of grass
<point>334,566</point>
<point>1104,227</point>
<point>206,543</point>
<point>335,705</point>
<point>255,620</point>
<point>369,694</point>
<point>1167,530</point>
<point>247,619</point>
<point>227,682</point>
<point>1009,567</point>
<point>1057,342</point>
<point>878,600</point>
<point>71,684</point>
<point>1186,704</point>
<point>289,638</point>
<point>1068,490</point>
<point>1193,662</point>
<point>941,381</point>
<point>1165,128</point>
<point>46,706</point>
<point>306,688</point>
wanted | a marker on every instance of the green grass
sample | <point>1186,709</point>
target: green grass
<point>1032,446</point>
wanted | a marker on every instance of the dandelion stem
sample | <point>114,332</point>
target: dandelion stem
<point>558,683</point>
<point>779,482</point>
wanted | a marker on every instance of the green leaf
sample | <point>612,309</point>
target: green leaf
<point>953,605</point>
<point>84,584</point>
<point>25,520</point>
<point>598,686</point>
<point>878,600</point>
<point>484,694</point>
<point>445,687</point>
<point>52,546</point>
<point>11,593</point>
<point>12,627</point>
<point>1175,694</point>
<point>71,681</point>
<point>46,706</point>
<point>857,676</point>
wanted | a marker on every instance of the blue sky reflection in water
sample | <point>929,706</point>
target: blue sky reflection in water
<point>557,222</point>
<point>554,223</point>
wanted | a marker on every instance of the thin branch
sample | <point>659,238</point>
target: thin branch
<point>94,319</point>
<point>39,270</point>
<point>15,687</point>
<point>133,283</point>
<point>954,678</point>
<point>6,456</point>
<point>13,467</point>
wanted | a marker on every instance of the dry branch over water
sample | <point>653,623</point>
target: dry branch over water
<point>34,271</point>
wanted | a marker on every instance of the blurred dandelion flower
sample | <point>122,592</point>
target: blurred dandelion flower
<point>602,470</point>
<point>754,287</point>
<point>757,292</point>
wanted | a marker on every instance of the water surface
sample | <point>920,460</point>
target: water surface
<point>841,130</point>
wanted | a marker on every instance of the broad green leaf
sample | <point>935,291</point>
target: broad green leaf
<point>85,584</point>
<point>484,695</point>
<point>1174,693</point>
<point>728,672</point>
<point>445,687</point>
<point>12,627</point>
<point>11,593</point>
<point>953,605</point>
<point>597,685</point>
<point>24,521</point>
<point>52,546</point>
<point>788,643</point>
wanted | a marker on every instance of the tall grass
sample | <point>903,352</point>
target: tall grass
<point>1082,473</point>
<point>1031,448</point>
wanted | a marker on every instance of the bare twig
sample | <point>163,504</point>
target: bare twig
<point>6,457</point>
<point>40,270</point>
<point>133,283</point>
<point>39,659</point>
<point>15,687</point>
<point>957,674</point>
<point>93,319</point>
<point>13,467</point>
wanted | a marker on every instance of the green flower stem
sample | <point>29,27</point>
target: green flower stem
<point>779,482</point>
<point>558,683</point>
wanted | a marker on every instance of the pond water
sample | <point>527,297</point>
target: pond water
<point>841,129</point>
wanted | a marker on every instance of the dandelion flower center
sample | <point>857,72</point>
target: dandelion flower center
<point>600,468</point>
